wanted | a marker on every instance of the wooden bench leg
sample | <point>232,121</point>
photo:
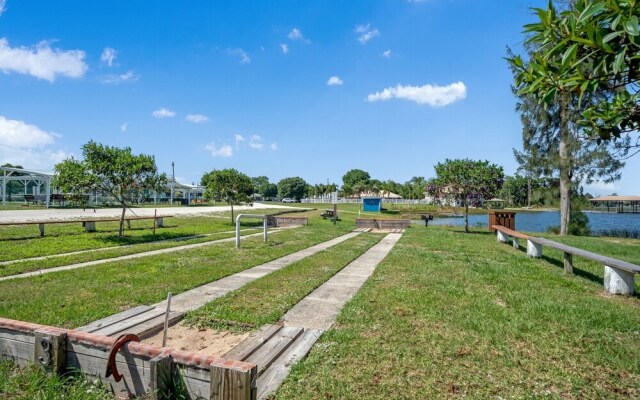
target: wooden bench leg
<point>160,222</point>
<point>534,249</point>
<point>502,237</point>
<point>568,263</point>
<point>41,228</point>
<point>89,226</point>
<point>618,281</point>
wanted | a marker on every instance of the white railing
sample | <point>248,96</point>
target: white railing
<point>325,200</point>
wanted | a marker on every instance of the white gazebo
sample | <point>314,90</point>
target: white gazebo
<point>189,190</point>
<point>26,176</point>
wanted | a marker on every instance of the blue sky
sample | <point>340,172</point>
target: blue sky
<point>275,88</point>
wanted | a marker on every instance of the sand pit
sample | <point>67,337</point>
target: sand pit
<point>208,342</point>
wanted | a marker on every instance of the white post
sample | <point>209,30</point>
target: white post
<point>264,224</point>
<point>47,193</point>
<point>618,281</point>
<point>4,189</point>
<point>238,232</point>
<point>502,237</point>
<point>534,249</point>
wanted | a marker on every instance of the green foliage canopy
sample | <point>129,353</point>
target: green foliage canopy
<point>467,181</point>
<point>228,185</point>
<point>294,188</point>
<point>112,170</point>
<point>592,48</point>
<point>356,177</point>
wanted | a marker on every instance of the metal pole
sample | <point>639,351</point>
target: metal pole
<point>264,224</point>
<point>166,321</point>
<point>238,232</point>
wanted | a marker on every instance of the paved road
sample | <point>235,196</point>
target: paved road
<point>71,214</point>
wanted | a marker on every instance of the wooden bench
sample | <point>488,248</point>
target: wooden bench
<point>89,224</point>
<point>503,237</point>
<point>619,276</point>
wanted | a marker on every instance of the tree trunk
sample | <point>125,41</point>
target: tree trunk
<point>529,192</point>
<point>231,213</point>
<point>466,217</point>
<point>565,169</point>
<point>124,209</point>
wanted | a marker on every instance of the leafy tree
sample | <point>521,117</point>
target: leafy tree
<point>228,185</point>
<point>356,176</point>
<point>264,188</point>
<point>589,49</point>
<point>112,170</point>
<point>294,188</point>
<point>554,143</point>
<point>467,181</point>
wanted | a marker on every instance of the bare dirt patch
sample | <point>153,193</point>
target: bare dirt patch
<point>208,342</point>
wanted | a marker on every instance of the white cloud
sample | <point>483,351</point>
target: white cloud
<point>2,6</point>
<point>128,76</point>
<point>433,95</point>
<point>108,56</point>
<point>386,54</point>
<point>244,57</point>
<point>197,118</point>
<point>335,81</point>
<point>296,35</point>
<point>284,47</point>
<point>19,139</point>
<point>255,142</point>
<point>223,151</point>
<point>366,33</point>
<point>274,146</point>
<point>239,139</point>
<point>123,127</point>
<point>42,61</point>
<point>163,113</point>
<point>22,135</point>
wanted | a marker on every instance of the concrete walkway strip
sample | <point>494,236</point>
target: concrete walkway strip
<point>73,253</point>
<point>128,257</point>
<point>198,297</point>
<point>318,312</point>
<point>138,323</point>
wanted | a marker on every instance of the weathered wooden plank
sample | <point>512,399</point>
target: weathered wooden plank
<point>248,346</point>
<point>155,325</point>
<point>19,352</point>
<point>135,379</point>
<point>272,378</point>
<point>50,350</point>
<point>232,384</point>
<point>510,232</point>
<point>16,335</point>
<point>273,348</point>
<point>568,263</point>
<point>161,379</point>
<point>124,325</point>
<point>100,353</point>
<point>112,319</point>
<point>612,262</point>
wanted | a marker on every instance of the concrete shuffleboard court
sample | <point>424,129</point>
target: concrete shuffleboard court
<point>127,257</point>
<point>144,321</point>
<point>275,348</point>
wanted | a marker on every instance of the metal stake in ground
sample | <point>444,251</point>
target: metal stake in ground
<point>166,321</point>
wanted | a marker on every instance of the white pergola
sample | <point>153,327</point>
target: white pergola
<point>38,177</point>
<point>188,189</point>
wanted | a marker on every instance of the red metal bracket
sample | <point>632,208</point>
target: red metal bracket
<point>112,369</point>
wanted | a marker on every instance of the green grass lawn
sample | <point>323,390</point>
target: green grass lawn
<point>267,299</point>
<point>450,314</point>
<point>76,297</point>
<point>32,383</point>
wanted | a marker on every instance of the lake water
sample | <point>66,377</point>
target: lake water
<point>541,220</point>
